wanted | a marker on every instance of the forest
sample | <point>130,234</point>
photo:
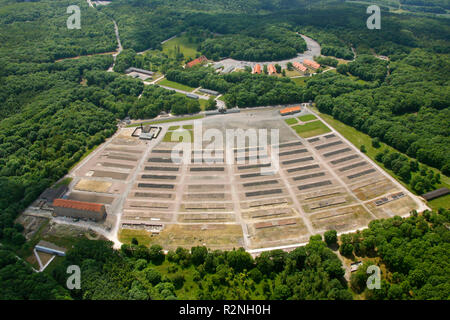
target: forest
<point>413,254</point>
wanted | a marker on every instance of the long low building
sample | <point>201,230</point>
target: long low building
<point>133,69</point>
<point>207,91</point>
<point>50,248</point>
<point>436,194</point>
<point>290,110</point>
<point>79,209</point>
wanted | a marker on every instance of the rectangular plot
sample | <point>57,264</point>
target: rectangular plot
<point>259,183</point>
<point>114,157</point>
<point>313,166</point>
<point>328,136</point>
<point>116,165</point>
<point>327,203</point>
<point>287,162</point>
<point>309,176</point>
<point>345,159</point>
<point>289,153</point>
<point>313,140</point>
<point>124,150</point>
<point>247,158</point>
<point>332,153</point>
<point>250,175</point>
<point>150,205</point>
<point>164,160</point>
<point>206,196</point>
<point>314,185</point>
<point>110,174</point>
<point>327,145</point>
<point>259,214</point>
<point>254,166</point>
<point>352,166</point>
<point>263,192</point>
<point>165,151</point>
<point>161,168</point>
<point>289,144</point>
<point>156,185</point>
<point>155,176</point>
<point>206,187</point>
<point>263,203</point>
<point>153,195</point>
<point>248,149</point>
<point>207,169</point>
<point>360,174</point>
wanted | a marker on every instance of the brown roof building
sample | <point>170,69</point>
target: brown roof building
<point>436,194</point>
<point>299,66</point>
<point>79,209</point>
<point>196,61</point>
<point>290,110</point>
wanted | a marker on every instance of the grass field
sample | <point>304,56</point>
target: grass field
<point>142,236</point>
<point>188,49</point>
<point>358,138</point>
<point>175,85</point>
<point>172,128</point>
<point>168,136</point>
<point>291,121</point>
<point>311,129</point>
<point>299,81</point>
<point>307,117</point>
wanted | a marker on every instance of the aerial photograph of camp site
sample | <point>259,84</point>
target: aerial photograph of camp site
<point>268,152</point>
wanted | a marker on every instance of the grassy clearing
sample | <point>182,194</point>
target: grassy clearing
<point>168,136</point>
<point>307,117</point>
<point>63,182</point>
<point>142,236</point>
<point>188,126</point>
<point>358,139</point>
<point>291,121</point>
<point>166,121</point>
<point>175,85</point>
<point>311,129</point>
<point>187,48</point>
<point>172,128</point>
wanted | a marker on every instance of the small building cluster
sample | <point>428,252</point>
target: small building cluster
<point>79,210</point>
<point>197,61</point>
<point>139,73</point>
<point>299,66</point>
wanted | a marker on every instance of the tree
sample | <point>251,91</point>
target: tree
<point>156,254</point>
<point>330,237</point>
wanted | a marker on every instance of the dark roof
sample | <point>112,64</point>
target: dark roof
<point>436,194</point>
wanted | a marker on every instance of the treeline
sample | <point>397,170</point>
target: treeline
<point>241,88</point>
<point>411,172</point>
<point>270,44</point>
<point>408,110</point>
<point>414,252</point>
<point>141,273</point>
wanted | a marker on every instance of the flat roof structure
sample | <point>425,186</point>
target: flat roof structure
<point>435,194</point>
<point>133,69</point>
<point>192,96</point>
<point>207,91</point>
<point>50,248</point>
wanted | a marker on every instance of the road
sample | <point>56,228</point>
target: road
<point>313,50</point>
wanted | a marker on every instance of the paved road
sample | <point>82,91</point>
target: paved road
<point>313,50</point>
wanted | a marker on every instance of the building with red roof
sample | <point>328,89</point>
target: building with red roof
<point>197,61</point>
<point>79,209</point>
<point>257,69</point>
<point>312,64</point>
<point>271,69</point>
<point>299,66</point>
